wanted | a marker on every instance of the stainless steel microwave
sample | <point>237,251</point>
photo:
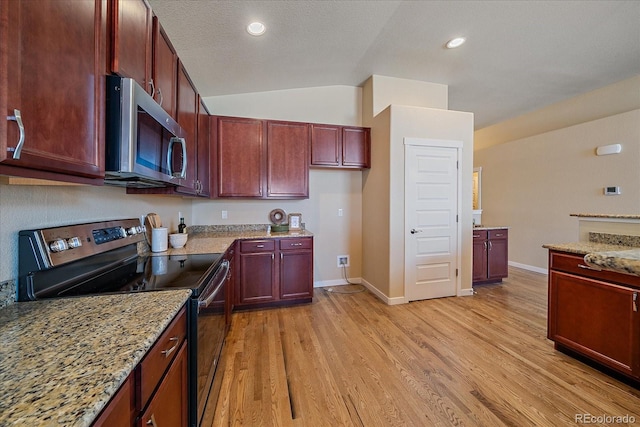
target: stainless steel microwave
<point>145,146</point>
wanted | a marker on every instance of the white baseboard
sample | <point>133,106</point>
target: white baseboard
<point>529,267</point>
<point>387,300</point>
<point>337,282</point>
<point>465,292</point>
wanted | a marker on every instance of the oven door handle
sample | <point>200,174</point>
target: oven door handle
<point>224,268</point>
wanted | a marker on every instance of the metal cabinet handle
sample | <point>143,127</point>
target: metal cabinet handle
<point>170,350</point>
<point>153,87</point>
<point>17,117</point>
<point>635,301</point>
<point>499,234</point>
<point>414,231</point>
<point>159,92</point>
<point>152,421</point>
<point>296,244</point>
<point>485,246</point>
<point>259,246</point>
<point>490,245</point>
<point>586,267</point>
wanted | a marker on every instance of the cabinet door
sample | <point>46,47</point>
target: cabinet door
<point>188,121</point>
<point>131,40</point>
<point>55,58</point>
<point>121,410</point>
<point>498,255</point>
<point>204,150</point>
<point>326,145</point>
<point>287,160</point>
<point>296,268</point>
<point>239,157</point>
<point>356,143</point>
<point>168,406</point>
<point>596,319</point>
<point>164,69</point>
<point>257,278</point>
<point>480,247</point>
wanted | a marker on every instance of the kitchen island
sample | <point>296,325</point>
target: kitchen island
<point>62,360</point>
<point>593,309</point>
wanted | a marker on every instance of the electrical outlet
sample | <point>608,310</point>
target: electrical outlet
<point>343,260</point>
<point>225,214</point>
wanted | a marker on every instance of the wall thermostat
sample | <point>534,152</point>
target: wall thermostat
<point>610,191</point>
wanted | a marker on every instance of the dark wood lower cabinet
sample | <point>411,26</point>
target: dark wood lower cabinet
<point>274,272</point>
<point>490,255</point>
<point>168,406</point>
<point>594,314</point>
<point>156,392</point>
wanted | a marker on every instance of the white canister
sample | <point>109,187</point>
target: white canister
<point>159,239</point>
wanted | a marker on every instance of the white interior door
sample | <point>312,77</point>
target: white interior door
<point>431,220</point>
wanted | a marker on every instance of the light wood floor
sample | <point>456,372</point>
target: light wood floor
<point>351,360</point>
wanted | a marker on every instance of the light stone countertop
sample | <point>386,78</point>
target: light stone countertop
<point>618,258</point>
<point>489,227</point>
<point>204,239</point>
<point>613,216</point>
<point>62,360</point>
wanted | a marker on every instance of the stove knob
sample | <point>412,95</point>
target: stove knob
<point>74,242</point>
<point>122,233</point>
<point>132,231</point>
<point>139,229</point>
<point>58,245</point>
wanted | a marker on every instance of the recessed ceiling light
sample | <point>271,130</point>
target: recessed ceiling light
<point>453,43</point>
<point>256,28</point>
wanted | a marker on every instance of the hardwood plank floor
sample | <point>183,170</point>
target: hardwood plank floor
<point>351,360</point>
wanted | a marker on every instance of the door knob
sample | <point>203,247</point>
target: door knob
<point>414,231</point>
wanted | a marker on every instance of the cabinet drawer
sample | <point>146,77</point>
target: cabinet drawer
<point>498,234</point>
<point>480,235</point>
<point>155,363</point>
<point>296,243</point>
<point>257,246</point>
<point>572,263</point>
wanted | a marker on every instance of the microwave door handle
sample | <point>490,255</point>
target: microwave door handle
<point>183,173</point>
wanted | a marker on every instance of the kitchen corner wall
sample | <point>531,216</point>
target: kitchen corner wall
<point>329,189</point>
<point>533,184</point>
<point>39,206</point>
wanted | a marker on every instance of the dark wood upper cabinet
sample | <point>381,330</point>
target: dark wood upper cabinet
<point>239,156</point>
<point>204,150</point>
<point>264,159</point>
<point>335,146</point>
<point>53,85</point>
<point>356,147</point>
<point>164,69</point>
<point>287,160</point>
<point>326,145</point>
<point>188,120</point>
<point>131,26</point>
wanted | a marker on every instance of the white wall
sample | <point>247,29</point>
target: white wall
<point>533,184</point>
<point>329,190</point>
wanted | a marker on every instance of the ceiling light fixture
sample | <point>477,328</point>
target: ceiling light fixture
<point>256,28</point>
<point>457,42</point>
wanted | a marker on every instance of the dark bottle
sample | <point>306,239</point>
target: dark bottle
<point>182,228</point>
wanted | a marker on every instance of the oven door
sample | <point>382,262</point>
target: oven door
<point>211,331</point>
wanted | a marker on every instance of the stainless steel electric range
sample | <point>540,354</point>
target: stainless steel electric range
<point>103,257</point>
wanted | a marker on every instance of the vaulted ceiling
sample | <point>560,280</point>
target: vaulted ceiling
<point>519,56</point>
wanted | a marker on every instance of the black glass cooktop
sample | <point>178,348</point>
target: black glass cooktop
<point>148,273</point>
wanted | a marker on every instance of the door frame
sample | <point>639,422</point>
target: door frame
<point>437,143</point>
